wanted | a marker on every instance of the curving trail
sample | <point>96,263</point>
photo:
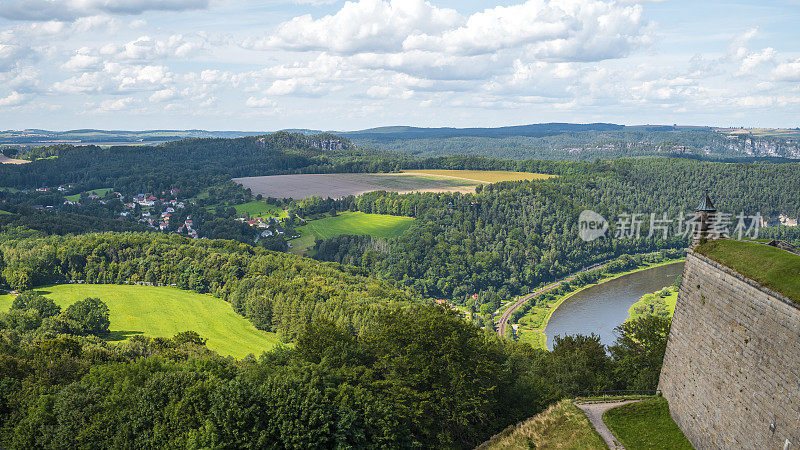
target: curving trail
<point>594,411</point>
<point>501,325</point>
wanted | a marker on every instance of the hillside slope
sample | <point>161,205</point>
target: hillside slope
<point>562,425</point>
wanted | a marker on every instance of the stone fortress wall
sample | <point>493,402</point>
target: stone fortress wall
<point>732,368</point>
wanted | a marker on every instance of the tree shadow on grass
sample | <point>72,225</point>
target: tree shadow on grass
<point>120,335</point>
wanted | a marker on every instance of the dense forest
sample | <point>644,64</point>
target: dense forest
<point>415,378</point>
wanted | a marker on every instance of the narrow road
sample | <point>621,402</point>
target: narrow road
<point>594,411</point>
<point>501,325</point>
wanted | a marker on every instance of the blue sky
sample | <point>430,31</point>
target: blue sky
<point>272,64</point>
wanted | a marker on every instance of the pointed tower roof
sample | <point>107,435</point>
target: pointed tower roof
<point>706,205</point>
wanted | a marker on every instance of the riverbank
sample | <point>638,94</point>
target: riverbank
<point>533,324</point>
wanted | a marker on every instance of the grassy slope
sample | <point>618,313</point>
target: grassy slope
<point>355,223</point>
<point>259,209</point>
<point>645,425</point>
<point>5,302</point>
<point>562,426</point>
<point>670,301</point>
<point>533,324</point>
<point>486,176</point>
<point>774,268</point>
<point>165,311</point>
<point>99,192</point>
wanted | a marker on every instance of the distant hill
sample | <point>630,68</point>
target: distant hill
<point>541,129</point>
<point>560,141</point>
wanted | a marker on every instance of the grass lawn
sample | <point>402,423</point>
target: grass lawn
<point>166,311</point>
<point>355,223</point>
<point>99,192</point>
<point>654,302</point>
<point>776,269</point>
<point>562,426</point>
<point>645,425</point>
<point>259,209</point>
<point>485,176</point>
<point>5,302</point>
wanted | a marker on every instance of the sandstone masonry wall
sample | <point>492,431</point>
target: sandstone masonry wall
<point>732,368</point>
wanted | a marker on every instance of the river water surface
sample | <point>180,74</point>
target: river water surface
<point>599,309</point>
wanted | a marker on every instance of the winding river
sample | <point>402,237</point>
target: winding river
<point>599,309</point>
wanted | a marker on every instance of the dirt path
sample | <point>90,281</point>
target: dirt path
<point>501,325</point>
<point>594,411</point>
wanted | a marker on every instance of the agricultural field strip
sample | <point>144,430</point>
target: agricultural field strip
<point>484,176</point>
<point>338,185</point>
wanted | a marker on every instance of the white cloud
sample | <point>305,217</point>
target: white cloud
<point>146,48</point>
<point>115,105</point>
<point>315,2</point>
<point>163,95</point>
<point>82,60</point>
<point>366,25</point>
<point>13,99</point>
<point>556,29</point>
<point>262,102</point>
<point>69,10</point>
<point>754,60</point>
<point>787,71</point>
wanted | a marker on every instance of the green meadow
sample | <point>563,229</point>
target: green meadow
<point>259,209</point>
<point>353,223</point>
<point>164,312</point>
<point>5,302</point>
<point>99,192</point>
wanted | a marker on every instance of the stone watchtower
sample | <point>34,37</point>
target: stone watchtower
<point>704,216</point>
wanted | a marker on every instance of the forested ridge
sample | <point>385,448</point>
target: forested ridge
<point>509,237</point>
<point>191,163</point>
<point>276,291</point>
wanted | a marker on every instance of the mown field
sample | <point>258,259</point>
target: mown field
<point>258,209</point>
<point>99,192</point>
<point>483,176</point>
<point>165,311</point>
<point>339,185</point>
<point>354,223</point>
<point>5,302</point>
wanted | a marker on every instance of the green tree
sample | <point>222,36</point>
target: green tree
<point>639,350</point>
<point>88,316</point>
<point>33,300</point>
